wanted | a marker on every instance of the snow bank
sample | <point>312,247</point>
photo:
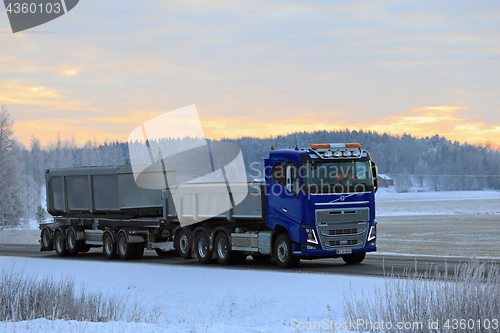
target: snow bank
<point>197,299</point>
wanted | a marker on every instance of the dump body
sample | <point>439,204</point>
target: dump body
<point>112,191</point>
<point>195,202</point>
<point>101,191</point>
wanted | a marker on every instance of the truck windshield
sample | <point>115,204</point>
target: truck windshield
<point>336,176</point>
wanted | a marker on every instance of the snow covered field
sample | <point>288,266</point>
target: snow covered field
<point>390,203</point>
<point>189,299</point>
<point>458,223</point>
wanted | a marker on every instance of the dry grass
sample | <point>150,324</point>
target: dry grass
<point>470,296</point>
<point>28,297</point>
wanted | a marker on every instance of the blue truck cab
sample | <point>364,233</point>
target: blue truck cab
<point>320,203</point>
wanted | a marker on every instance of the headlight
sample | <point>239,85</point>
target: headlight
<point>373,233</point>
<point>348,153</point>
<point>311,236</point>
<point>338,153</point>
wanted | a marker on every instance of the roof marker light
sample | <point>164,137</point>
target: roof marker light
<point>316,146</point>
<point>336,145</point>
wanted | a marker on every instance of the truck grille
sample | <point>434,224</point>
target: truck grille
<point>342,228</point>
<point>334,232</point>
<point>360,214</point>
<point>348,242</point>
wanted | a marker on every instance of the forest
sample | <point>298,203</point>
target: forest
<point>415,163</point>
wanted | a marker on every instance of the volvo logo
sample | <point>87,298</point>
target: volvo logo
<point>342,197</point>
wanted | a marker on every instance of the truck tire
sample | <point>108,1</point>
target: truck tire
<point>60,244</point>
<point>355,258</point>
<point>109,247</point>
<point>71,242</point>
<point>125,250</point>
<point>183,244</point>
<point>139,250</point>
<point>283,252</point>
<point>47,244</point>
<point>202,248</point>
<point>223,249</point>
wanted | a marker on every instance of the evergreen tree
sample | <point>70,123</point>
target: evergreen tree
<point>40,215</point>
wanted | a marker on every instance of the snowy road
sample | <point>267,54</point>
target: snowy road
<point>375,264</point>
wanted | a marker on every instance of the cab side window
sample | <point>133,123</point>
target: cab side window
<point>278,173</point>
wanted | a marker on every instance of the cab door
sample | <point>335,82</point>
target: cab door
<point>285,207</point>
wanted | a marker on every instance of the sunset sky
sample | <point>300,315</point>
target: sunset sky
<point>257,68</point>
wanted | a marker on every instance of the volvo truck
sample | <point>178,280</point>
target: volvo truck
<point>314,202</point>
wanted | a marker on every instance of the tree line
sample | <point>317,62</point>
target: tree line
<point>428,163</point>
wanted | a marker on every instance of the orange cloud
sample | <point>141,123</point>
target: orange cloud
<point>442,120</point>
<point>422,121</point>
<point>13,93</point>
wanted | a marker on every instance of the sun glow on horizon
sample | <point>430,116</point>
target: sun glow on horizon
<point>419,122</point>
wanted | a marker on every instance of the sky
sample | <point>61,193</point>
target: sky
<point>257,68</point>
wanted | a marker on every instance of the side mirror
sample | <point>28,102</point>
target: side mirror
<point>375,176</point>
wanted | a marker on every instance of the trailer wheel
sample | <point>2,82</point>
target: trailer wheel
<point>47,244</point>
<point>202,247</point>
<point>223,249</point>
<point>109,247</point>
<point>126,250</point>
<point>60,244</point>
<point>182,244</point>
<point>71,242</point>
<point>139,250</point>
<point>354,258</point>
<point>283,252</point>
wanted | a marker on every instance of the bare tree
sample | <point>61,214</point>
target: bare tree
<point>10,203</point>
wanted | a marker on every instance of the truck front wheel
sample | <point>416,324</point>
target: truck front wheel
<point>283,252</point>
<point>60,244</point>
<point>354,258</point>
<point>202,248</point>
